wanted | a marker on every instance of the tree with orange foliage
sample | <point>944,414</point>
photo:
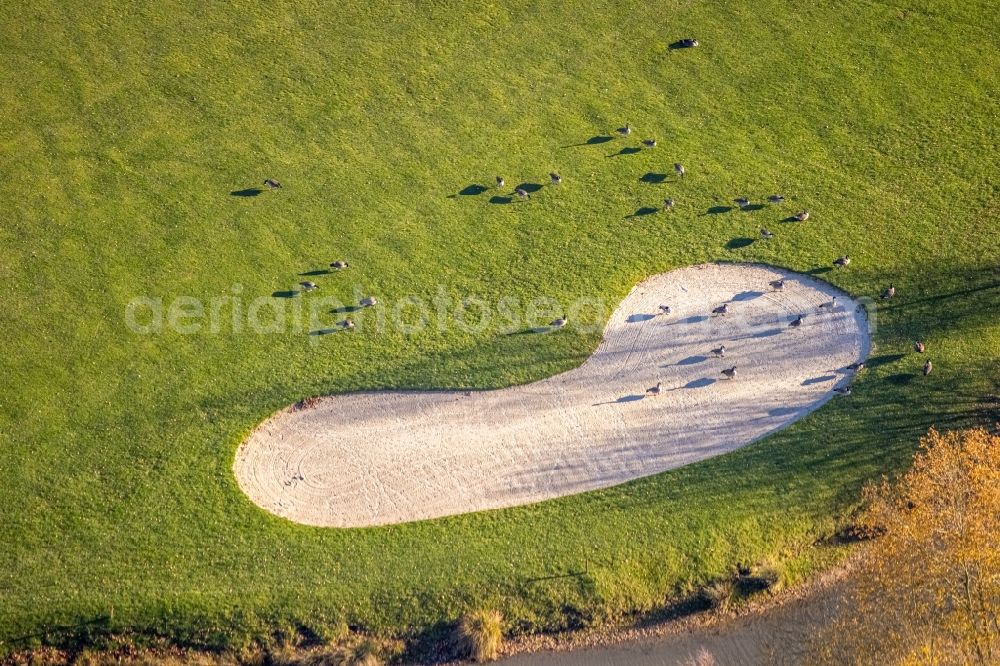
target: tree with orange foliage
<point>927,586</point>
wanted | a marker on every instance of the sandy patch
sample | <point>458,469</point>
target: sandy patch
<point>387,457</point>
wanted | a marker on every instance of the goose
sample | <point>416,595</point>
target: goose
<point>832,303</point>
<point>624,131</point>
<point>367,302</point>
<point>802,216</point>
<point>689,43</point>
<point>679,169</point>
<point>730,373</point>
<point>776,198</point>
<point>655,390</point>
<point>843,390</point>
<point>720,351</point>
<point>722,309</point>
<point>742,202</point>
<point>649,143</point>
<point>500,182</point>
<point>308,286</point>
<point>668,204</point>
<point>522,193</point>
<point>556,178</point>
<point>795,323</point>
<point>665,309</point>
<point>558,323</point>
<point>842,261</point>
<point>339,265</point>
<point>347,324</point>
<point>928,366</point>
<point>777,285</point>
<point>766,235</point>
<point>918,347</point>
<point>272,184</point>
<point>889,292</point>
<point>856,367</point>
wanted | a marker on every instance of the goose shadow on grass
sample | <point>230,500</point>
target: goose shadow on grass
<point>592,141</point>
<point>653,178</point>
<point>473,190</point>
<point>819,270</point>
<point>498,199</point>
<point>884,359</point>
<point>641,212</point>
<point>286,293</point>
<point>628,150</point>
<point>320,271</point>
<point>739,243</point>
<point>324,331</point>
<point>530,188</point>
<point>345,309</point>
<point>249,192</point>
<point>719,210</point>
<point>752,207</point>
<point>639,317</point>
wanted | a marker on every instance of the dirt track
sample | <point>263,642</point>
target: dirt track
<point>388,457</point>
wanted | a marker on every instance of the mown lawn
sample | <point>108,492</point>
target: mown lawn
<point>127,128</point>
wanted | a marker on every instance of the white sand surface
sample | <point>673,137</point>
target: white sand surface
<point>377,458</point>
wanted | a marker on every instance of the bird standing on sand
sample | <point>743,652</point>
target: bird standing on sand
<point>649,143</point>
<point>367,302</point>
<point>918,347</point>
<point>679,169</point>
<point>272,184</point>
<point>624,131</point>
<point>730,373</point>
<point>777,285</point>
<point>339,265</point>
<point>795,323</point>
<point>720,351</point>
<point>829,305</point>
<point>308,286</point>
<point>889,292</point>
<point>500,182</point>
<point>722,309</point>
<point>742,202</point>
<point>802,216</point>
<point>555,178</point>
<point>522,193</point>
<point>766,235</point>
<point>928,366</point>
<point>655,390</point>
<point>776,198</point>
<point>843,261</point>
<point>558,323</point>
<point>665,309</point>
<point>668,204</point>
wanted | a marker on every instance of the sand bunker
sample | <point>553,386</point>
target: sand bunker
<point>388,457</point>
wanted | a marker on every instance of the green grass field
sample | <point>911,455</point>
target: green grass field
<point>127,128</point>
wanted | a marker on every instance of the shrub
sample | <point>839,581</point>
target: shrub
<point>479,634</point>
<point>720,594</point>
